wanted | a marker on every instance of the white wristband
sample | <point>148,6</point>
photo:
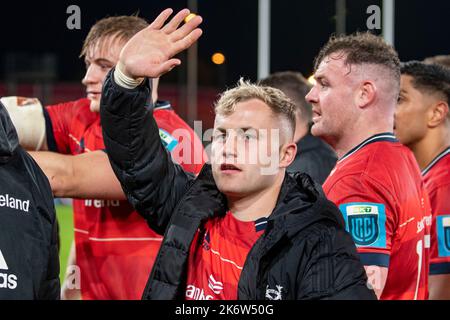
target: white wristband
<point>125,81</point>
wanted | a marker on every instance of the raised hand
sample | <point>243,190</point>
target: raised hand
<point>150,52</point>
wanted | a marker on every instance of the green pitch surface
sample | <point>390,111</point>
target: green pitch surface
<point>65,220</point>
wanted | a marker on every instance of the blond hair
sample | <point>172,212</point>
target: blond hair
<point>275,99</point>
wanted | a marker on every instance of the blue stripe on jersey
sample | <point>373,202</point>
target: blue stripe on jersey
<point>375,259</point>
<point>439,268</point>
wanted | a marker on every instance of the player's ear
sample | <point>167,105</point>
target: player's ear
<point>438,114</point>
<point>287,154</point>
<point>365,94</point>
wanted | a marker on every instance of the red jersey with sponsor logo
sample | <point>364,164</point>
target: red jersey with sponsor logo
<point>217,256</point>
<point>437,182</point>
<point>115,248</point>
<point>379,190</point>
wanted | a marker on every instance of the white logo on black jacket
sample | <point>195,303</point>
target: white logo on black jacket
<point>7,281</point>
<point>273,294</point>
<point>10,202</point>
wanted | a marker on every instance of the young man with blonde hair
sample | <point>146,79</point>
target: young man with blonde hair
<point>243,229</point>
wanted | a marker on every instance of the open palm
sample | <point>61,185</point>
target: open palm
<point>150,52</point>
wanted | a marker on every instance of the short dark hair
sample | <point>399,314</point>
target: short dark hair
<point>295,86</point>
<point>360,48</point>
<point>443,60</point>
<point>121,27</point>
<point>430,78</point>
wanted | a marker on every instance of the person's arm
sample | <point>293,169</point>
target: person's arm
<point>80,176</point>
<point>367,193</point>
<point>152,182</point>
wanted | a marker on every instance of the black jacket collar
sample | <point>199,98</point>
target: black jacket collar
<point>301,202</point>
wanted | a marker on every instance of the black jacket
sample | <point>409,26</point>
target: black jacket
<point>29,263</point>
<point>314,157</point>
<point>304,253</point>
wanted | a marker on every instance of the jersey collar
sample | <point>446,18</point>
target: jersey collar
<point>436,160</point>
<point>386,136</point>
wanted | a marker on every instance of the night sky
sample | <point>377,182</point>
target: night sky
<point>299,28</point>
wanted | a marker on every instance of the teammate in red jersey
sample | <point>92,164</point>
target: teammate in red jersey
<point>422,123</point>
<point>115,249</point>
<point>376,183</point>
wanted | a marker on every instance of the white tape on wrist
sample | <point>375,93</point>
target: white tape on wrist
<point>27,116</point>
<point>125,81</point>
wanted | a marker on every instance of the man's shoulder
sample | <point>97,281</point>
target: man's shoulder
<point>72,111</point>
<point>383,163</point>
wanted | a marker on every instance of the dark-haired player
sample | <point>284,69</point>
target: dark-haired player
<point>422,123</point>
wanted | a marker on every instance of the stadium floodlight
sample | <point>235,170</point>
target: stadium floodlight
<point>218,58</point>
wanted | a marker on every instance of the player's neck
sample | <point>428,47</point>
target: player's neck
<point>256,205</point>
<point>427,149</point>
<point>375,120</point>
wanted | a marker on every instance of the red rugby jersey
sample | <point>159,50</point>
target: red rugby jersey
<point>437,182</point>
<point>379,190</point>
<point>217,256</point>
<point>115,248</point>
